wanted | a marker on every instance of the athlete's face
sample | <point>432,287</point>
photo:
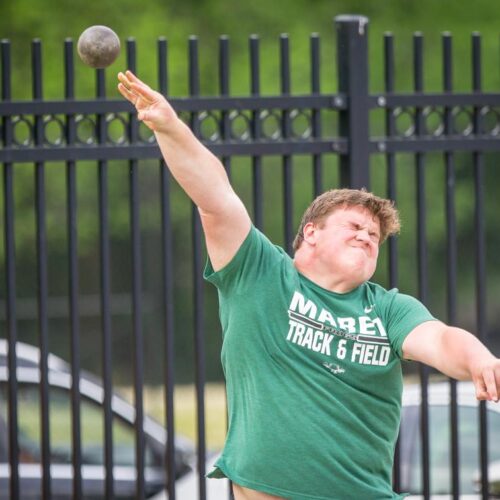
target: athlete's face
<point>348,242</point>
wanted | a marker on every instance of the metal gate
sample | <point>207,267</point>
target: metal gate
<point>320,130</point>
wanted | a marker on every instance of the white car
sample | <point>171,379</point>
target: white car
<point>92,418</point>
<point>439,439</point>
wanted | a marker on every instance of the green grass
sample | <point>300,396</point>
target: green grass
<point>185,410</point>
<point>92,417</point>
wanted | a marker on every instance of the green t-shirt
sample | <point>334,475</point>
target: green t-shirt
<point>313,378</point>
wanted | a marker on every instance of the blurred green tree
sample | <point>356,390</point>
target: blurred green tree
<point>54,21</point>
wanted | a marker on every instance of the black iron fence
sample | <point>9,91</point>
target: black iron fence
<point>317,134</point>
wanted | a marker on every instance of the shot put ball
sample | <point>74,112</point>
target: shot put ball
<point>98,46</point>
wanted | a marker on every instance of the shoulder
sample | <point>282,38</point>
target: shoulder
<point>394,305</point>
<point>379,293</point>
<point>256,258</point>
<point>259,243</point>
<point>391,296</point>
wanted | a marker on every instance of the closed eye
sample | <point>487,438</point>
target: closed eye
<point>355,226</point>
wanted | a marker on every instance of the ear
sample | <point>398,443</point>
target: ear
<point>309,233</point>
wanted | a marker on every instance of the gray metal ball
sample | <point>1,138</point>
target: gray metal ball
<point>98,46</point>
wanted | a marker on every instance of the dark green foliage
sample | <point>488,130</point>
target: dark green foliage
<point>23,20</point>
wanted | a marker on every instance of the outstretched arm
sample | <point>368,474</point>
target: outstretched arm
<point>224,218</point>
<point>456,353</point>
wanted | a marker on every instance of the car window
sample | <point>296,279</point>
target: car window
<point>92,430</point>
<point>439,419</point>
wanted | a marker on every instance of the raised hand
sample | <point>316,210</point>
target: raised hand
<point>152,108</point>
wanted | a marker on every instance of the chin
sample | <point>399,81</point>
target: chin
<point>362,274</point>
<point>357,273</point>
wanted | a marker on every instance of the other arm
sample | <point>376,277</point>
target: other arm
<point>456,353</point>
<point>225,219</point>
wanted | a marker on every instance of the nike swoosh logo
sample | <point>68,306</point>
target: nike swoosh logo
<point>369,309</point>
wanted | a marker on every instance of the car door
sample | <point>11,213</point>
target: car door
<point>92,439</point>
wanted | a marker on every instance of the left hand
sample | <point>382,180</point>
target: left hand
<point>486,379</point>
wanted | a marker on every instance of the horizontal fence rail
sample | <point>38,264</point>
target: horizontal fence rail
<point>281,136</point>
<point>262,112</point>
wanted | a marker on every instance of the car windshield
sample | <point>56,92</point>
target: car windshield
<point>92,429</point>
<point>440,469</point>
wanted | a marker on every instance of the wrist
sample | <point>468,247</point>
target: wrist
<point>479,360</point>
<point>172,127</point>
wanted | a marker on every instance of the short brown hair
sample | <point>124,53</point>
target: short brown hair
<point>329,201</point>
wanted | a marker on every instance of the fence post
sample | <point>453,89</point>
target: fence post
<point>352,60</point>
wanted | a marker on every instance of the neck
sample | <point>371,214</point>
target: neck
<point>325,278</point>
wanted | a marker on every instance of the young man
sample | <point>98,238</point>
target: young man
<point>312,350</point>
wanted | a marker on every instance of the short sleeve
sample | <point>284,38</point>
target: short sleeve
<point>255,259</point>
<point>404,314</point>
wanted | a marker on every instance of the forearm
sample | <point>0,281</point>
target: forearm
<point>463,354</point>
<point>195,168</point>
<point>456,353</point>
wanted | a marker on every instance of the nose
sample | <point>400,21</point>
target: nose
<point>363,235</point>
